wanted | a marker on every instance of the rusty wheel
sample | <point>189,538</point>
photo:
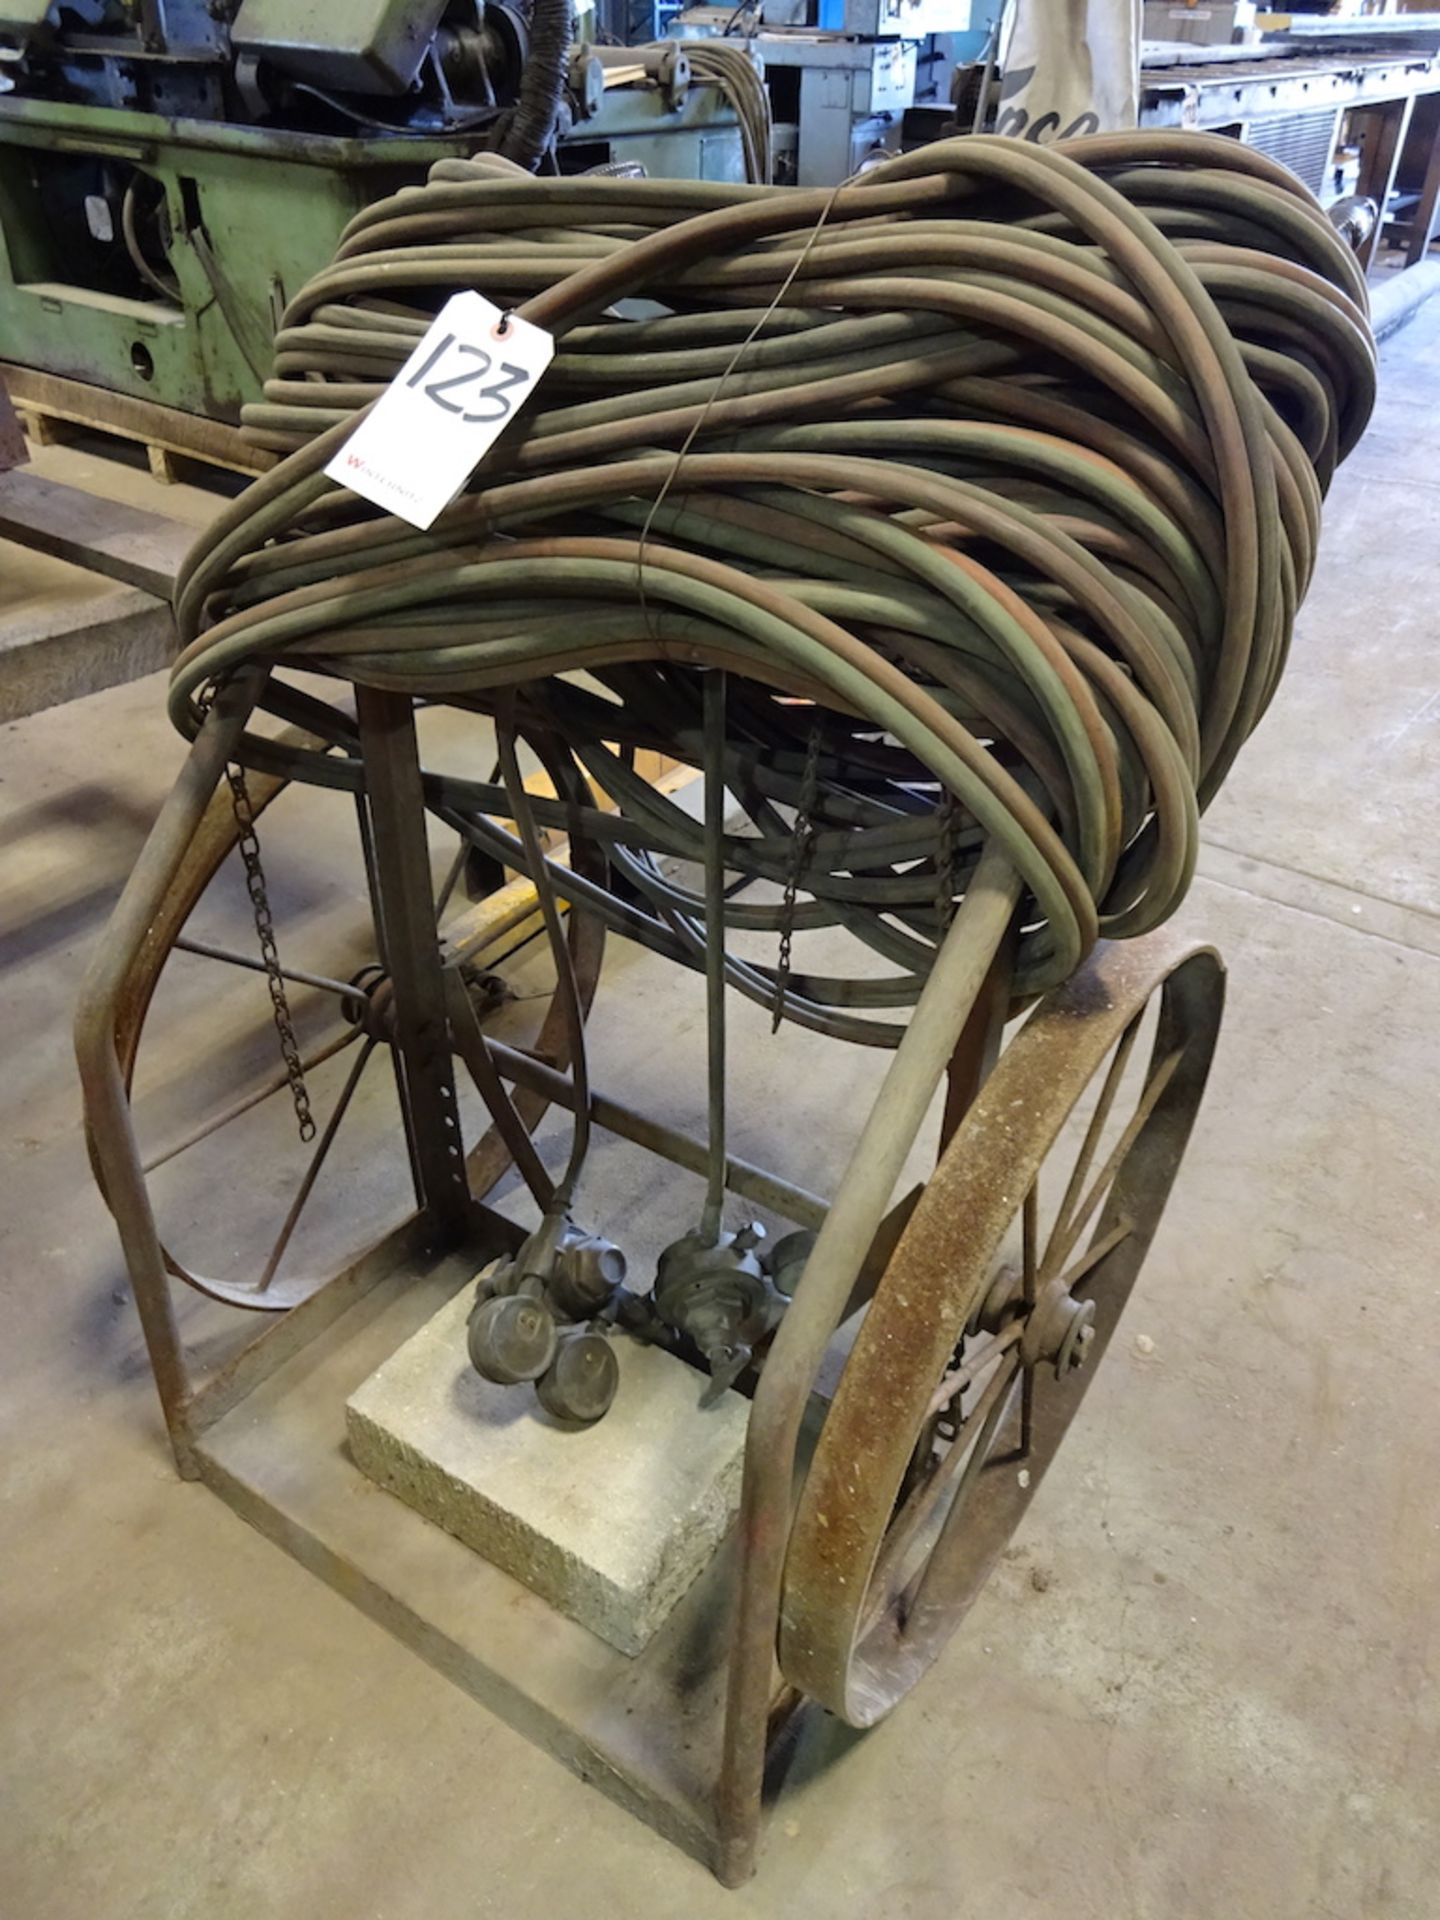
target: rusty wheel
<point>991,1317</point>
<point>355,1030</point>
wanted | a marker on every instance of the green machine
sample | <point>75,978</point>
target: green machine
<point>172,170</point>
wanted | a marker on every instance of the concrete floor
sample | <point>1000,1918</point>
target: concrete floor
<point>1202,1683</point>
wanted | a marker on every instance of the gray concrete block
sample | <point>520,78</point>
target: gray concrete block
<point>610,1524</point>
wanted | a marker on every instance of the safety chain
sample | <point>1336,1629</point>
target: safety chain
<point>945,862</point>
<point>249,844</point>
<point>801,837</point>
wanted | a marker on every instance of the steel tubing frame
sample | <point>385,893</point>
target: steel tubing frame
<point>102,1078</point>
<point>826,1292</point>
<point>861,1200</point>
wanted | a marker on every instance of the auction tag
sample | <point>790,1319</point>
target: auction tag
<point>429,430</point>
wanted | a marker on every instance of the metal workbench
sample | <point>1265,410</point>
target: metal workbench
<point>1289,95</point>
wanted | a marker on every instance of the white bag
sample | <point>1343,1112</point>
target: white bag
<point>1071,67</point>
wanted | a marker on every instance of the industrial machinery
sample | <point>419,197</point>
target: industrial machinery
<point>173,171</point>
<point>841,76</point>
<point>1324,96</point>
<point>838,100</point>
<point>951,525</point>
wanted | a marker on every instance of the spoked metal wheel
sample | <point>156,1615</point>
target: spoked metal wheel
<point>992,1315</point>
<point>357,1029</point>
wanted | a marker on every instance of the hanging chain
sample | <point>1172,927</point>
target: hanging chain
<point>249,844</point>
<point>801,837</point>
<point>945,862</point>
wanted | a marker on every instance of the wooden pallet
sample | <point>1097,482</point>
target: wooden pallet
<point>134,545</point>
<point>54,409</point>
<point>13,451</point>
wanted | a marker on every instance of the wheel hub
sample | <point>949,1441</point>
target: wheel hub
<point>1059,1329</point>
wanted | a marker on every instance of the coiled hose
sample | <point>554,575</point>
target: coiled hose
<point>1000,489</point>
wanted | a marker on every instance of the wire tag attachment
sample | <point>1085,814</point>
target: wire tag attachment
<point>461,387</point>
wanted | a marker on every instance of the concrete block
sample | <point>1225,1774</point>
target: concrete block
<point>610,1524</point>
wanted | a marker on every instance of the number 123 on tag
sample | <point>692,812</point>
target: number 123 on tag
<point>464,383</point>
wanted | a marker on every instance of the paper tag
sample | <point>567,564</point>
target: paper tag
<point>443,411</point>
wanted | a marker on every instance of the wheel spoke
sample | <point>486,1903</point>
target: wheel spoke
<point>988,1412</point>
<point>1061,1245</point>
<point>1093,1132</point>
<point>447,887</point>
<point>922,1462</point>
<point>276,1084</point>
<point>1094,1254</point>
<point>973,1366</point>
<point>977,1459</point>
<point>207,950</point>
<point>317,1161</point>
